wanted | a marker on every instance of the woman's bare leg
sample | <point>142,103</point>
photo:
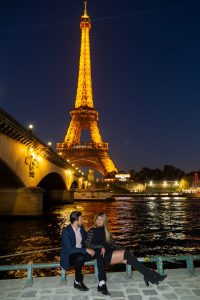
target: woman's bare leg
<point>118,257</point>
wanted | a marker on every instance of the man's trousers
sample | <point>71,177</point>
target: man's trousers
<point>78,259</point>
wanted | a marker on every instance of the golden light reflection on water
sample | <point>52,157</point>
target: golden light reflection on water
<point>129,219</point>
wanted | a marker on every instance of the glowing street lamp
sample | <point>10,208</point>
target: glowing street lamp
<point>69,172</point>
<point>30,127</point>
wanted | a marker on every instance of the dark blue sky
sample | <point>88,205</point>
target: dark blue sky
<point>145,67</point>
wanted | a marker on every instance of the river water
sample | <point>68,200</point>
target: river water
<point>174,225</point>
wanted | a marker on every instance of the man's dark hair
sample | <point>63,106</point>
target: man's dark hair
<point>74,216</point>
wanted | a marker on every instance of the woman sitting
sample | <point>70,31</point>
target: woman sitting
<point>100,239</point>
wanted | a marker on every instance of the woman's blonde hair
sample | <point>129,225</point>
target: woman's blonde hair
<point>105,223</point>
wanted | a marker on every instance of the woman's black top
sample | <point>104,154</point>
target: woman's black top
<point>96,239</point>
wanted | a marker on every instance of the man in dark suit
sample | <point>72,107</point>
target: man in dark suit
<point>73,251</point>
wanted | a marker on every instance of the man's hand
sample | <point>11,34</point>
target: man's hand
<point>90,251</point>
<point>103,250</point>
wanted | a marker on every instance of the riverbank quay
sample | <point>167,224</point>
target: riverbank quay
<point>179,284</point>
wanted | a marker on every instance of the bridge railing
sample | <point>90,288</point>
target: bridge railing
<point>189,259</point>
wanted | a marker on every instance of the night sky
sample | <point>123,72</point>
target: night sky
<point>145,68</point>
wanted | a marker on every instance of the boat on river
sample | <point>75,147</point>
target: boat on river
<point>93,195</point>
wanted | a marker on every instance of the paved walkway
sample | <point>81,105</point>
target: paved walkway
<point>178,285</point>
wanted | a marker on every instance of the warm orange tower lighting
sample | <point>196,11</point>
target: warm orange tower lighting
<point>94,153</point>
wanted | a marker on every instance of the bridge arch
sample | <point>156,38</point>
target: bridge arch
<point>29,169</point>
<point>74,185</point>
<point>52,181</point>
<point>8,178</point>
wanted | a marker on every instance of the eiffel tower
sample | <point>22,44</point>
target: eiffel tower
<point>92,154</point>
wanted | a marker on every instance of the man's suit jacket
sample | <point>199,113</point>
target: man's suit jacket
<point>68,245</point>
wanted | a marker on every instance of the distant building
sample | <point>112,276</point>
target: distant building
<point>162,186</point>
<point>122,176</point>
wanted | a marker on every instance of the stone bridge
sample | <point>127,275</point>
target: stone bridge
<point>31,173</point>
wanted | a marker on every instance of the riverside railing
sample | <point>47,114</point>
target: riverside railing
<point>189,259</point>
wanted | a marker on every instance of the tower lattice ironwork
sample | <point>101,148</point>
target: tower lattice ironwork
<point>84,117</point>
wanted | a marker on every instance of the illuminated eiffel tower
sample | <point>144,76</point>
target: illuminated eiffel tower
<point>92,154</point>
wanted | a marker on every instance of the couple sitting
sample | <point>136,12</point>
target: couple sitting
<point>79,247</point>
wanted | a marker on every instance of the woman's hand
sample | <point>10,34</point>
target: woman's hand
<point>103,250</point>
<point>90,251</point>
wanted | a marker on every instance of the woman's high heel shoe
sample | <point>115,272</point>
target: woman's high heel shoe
<point>153,277</point>
<point>147,283</point>
<point>162,277</point>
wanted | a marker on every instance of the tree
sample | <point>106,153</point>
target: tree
<point>132,174</point>
<point>172,173</point>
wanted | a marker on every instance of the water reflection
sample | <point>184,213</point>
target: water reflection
<point>129,220</point>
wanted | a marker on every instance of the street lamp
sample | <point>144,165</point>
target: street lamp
<point>30,127</point>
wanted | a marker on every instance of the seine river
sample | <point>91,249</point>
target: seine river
<point>173,225</point>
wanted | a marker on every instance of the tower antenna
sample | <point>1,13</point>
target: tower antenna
<point>85,7</point>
